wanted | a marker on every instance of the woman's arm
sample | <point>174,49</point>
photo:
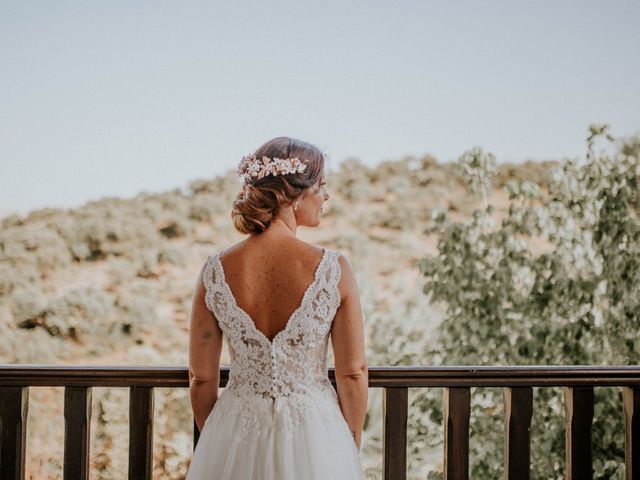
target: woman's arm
<point>347,340</point>
<point>205,348</point>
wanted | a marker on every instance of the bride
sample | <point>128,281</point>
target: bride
<point>277,300</point>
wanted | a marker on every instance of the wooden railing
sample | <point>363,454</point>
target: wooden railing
<point>578,382</point>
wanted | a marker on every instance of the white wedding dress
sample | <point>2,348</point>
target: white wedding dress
<point>278,417</point>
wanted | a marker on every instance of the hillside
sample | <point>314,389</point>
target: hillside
<point>111,283</point>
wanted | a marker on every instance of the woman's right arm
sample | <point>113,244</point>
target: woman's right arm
<point>205,348</point>
<point>347,340</point>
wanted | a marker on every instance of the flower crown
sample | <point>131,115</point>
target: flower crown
<point>252,167</point>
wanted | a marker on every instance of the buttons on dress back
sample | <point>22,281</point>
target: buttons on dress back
<point>273,372</point>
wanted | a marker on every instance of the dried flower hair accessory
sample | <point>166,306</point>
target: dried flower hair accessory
<point>252,167</point>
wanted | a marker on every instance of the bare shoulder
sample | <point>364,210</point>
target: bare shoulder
<point>310,251</point>
<point>344,261</point>
<point>295,249</point>
<point>347,284</point>
<point>307,251</point>
<point>238,246</point>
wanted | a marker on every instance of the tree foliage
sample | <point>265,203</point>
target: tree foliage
<point>556,282</point>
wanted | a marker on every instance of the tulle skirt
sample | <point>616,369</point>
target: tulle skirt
<point>320,447</point>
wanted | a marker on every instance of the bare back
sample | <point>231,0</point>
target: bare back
<point>269,278</point>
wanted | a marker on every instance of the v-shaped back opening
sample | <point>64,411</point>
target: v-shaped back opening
<point>292,316</point>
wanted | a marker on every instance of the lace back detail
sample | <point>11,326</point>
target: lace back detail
<point>300,348</point>
<point>290,371</point>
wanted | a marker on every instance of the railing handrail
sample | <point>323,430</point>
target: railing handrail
<point>379,376</point>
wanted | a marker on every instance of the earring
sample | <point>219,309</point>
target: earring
<point>295,206</point>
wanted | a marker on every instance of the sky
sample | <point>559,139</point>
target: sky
<point>115,98</point>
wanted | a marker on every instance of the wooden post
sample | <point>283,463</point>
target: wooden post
<point>518,408</point>
<point>631,396</point>
<point>394,408</point>
<point>579,411</point>
<point>77,426</point>
<point>14,409</point>
<point>457,409</point>
<point>140,433</point>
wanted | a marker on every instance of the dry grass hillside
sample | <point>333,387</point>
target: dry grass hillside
<point>111,283</point>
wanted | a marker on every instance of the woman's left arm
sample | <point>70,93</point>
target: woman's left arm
<point>205,348</point>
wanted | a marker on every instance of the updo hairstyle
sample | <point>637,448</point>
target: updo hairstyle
<point>261,200</point>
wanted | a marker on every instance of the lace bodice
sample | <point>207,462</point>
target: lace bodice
<point>288,372</point>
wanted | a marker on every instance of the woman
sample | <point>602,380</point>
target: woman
<point>277,300</point>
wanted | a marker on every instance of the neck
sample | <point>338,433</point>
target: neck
<point>284,224</point>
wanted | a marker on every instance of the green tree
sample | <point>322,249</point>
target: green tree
<point>556,282</point>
